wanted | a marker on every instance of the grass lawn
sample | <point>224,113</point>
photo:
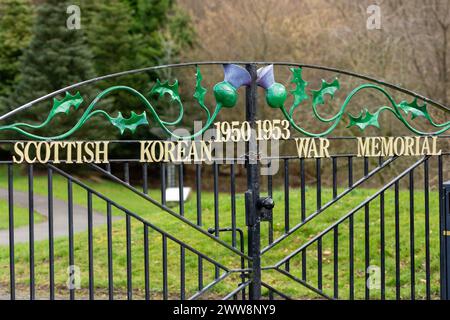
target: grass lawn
<point>173,226</point>
<point>20,216</point>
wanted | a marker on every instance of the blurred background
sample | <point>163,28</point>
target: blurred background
<point>41,53</point>
<point>46,45</point>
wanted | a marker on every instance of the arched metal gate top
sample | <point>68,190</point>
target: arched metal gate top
<point>226,97</point>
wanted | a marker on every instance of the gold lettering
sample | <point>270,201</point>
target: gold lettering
<point>409,145</point>
<point>396,146</point>
<point>206,151</point>
<point>387,147</point>
<point>435,152</point>
<point>145,154</point>
<point>79,151</point>
<point>169,152</point>
<point>302,146</point>
<point>57,145</point>
<point>89,149</point>
<point>101,151</point>
<point>363,147</point>
<point>375,147</point>
<point>324,144</point>
<point>153,151</point>
<point>26,151</point>
<point>425,147</point>
<point>18,146</point>
<point>47,152</point>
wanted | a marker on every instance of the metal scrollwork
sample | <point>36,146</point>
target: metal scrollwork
<point>225,94</point>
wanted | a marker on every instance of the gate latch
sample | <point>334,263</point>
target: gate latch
<point>265,206</point>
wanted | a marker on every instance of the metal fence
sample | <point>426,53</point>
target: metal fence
<point>378,230</point>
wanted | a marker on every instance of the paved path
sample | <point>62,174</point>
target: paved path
<point>60,218</point>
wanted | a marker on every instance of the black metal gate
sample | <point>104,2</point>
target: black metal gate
<point>375,229</point>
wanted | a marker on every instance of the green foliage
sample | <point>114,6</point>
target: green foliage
<point>415,109</point>
<point>56,56</point>
<point>63,106</point>
<point>327,88</point>
<point>133,39</point>
<point>130,123</point>
<point>299,92</point>
<point>180,28</point>
<point>16,19</point>
<point>115,35</point>
<point>162,88</point>
<point>108,25</point>
<point>200,91</point>
<point>365,119</point>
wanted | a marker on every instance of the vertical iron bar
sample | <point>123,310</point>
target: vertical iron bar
<point>129,262</point>
<point>90,247</point>
<point>351,236</point>
<point>233,205</point>
<point>319,263</point>
<point>303,210</point>
<point>351,253</point>
<point>163,183</point>
<point>411,233</point>
<point>397,241</point>
<point>286,196</point>
<point>198,188</point>
<point>164,257</point>
<point>366,234</point>
<point>110,252</point>
<point>336,262</point>
<point>427,231</point>
<point>182,273</point>
<point>12,269</point>
<point>366,166</point>
<point>350,171</point>
<point>442,239</point>
<point>146,264</point>
<point>181,189</point>
<point>286,202</point>
<point>145,178</point>
<point>319,183</point>
<point>302,189</point>
<point>216,208</point>
<point>334,169</point>
<point>51,233</point>
<point>126,172</point>
<point>382,249</point>
<point>241,240</point>
<point>254,240</point>
<point>31,229</point>
<point>71,244</point>
<point>270,194</point>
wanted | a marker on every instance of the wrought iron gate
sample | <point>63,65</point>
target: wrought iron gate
<point>309,249</point>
